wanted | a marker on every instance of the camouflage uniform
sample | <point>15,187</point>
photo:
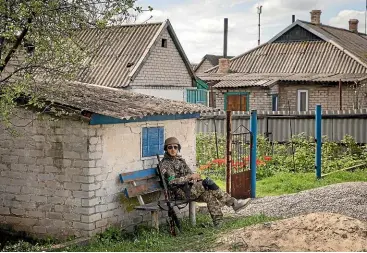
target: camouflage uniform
<point>176,171</point>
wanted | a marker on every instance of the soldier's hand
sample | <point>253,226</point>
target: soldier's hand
<point>195,176</point>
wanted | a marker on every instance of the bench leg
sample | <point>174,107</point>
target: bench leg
<point>192,212</point>
<point>155,219</point>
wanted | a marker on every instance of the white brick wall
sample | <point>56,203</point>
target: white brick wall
<point>204,66</point>
<point>164,67</point>
<point>61,178</point>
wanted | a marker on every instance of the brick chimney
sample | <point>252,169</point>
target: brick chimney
<point>315,17</point>
<point>223,65</point>
<point>353,25</point>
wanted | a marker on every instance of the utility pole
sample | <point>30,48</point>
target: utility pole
<point>259,10</point>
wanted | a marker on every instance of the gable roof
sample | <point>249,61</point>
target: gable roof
<point>213,59</point>
<point>121,52</point>
<point>114,102</point>
<point>338,51</point>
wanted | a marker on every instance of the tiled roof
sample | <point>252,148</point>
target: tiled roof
<point>120,52</point>
<point>114,102</point>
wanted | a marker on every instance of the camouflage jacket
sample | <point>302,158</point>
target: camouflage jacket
<point>175,169</point>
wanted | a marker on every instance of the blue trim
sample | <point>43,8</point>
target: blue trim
<point>318,141</point>
<point>152,141</point>
<point>247,94</point>
<point>138,174</point>
<point>253,122</point>
<point>98,119</point>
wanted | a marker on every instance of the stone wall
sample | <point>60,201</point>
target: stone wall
<point>327,96</point>
<point>44,173</point>
<point>117,150</point>
<point>204,66</point>
<point>60,178</point>
<point>164,66</point>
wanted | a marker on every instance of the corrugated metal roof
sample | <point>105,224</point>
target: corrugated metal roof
<point>114,102</point>
<point>295,57</point>
<point>115,48</point>
<point>245,83</point>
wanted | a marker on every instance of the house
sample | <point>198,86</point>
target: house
<point>209,61</point>
<point>60,177</point>
<point>145,58</point>
<point>307,63</point>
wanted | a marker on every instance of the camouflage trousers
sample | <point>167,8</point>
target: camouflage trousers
<point>215,200</point>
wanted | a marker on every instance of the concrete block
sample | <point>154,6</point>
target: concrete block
<point>84,179</point>
<point>34,153</point>
<point>95,155</point>
<point>38,199</point>
<point>10,159</point>
<point>46,177</point>
<point>74,202</point>
<point>92,171</point>
<point>101,177</point>
<point>101,208</point>
<point>36,214</point>
<point>52,169</point>
<point>91,187</point>
<point>29,221</point>
<point>19,182</point>
<point>101,223</point>
<point>25,198</point>
<point>36,168</point>
<point>83,194</point>
<point>63,178</point>
<point>45,161</point>
<point>13,189</point>
<point>107,214</point>
<point>72,217</point>
<point>18,212</point>
<point>72,186</point>
<point>90,202</point>
<point>4,210</point>
<point>71,155</point>
<point>84,226</point>
<point>39,229</point>
<point>81,164</point>
<point>55,200</point>
<point>94,140</point>
<point>101,193</point>
<point>85,210</point>
<point>91,218</point>
<point>19,167</point>
<point>54,216</point>
<point>63,193</point>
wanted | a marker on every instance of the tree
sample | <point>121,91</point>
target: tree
<point>38,41</point>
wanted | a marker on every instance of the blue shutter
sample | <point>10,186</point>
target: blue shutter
<point>152,141</point>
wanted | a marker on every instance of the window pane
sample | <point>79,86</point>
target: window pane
<point>303,97</point>
<point>274,104</point>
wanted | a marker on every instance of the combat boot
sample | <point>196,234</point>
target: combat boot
<point>217,221</point>
<point>240,204</point>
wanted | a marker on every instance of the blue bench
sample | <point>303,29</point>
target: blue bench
<point>141,182</point>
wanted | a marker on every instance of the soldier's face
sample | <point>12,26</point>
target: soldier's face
<point>172,149</point>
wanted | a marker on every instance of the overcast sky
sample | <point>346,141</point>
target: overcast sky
<point>199,23</point>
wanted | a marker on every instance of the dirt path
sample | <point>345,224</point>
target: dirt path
<point>311,232</point>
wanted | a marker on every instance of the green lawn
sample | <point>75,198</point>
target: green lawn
<point>287,183</point>
<point>199,238</point>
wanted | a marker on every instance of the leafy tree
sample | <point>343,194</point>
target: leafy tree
<point>39,41</point>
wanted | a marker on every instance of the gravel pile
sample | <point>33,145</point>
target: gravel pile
<point>348,199</point>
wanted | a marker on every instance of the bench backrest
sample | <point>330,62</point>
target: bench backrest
<point>140,182</point>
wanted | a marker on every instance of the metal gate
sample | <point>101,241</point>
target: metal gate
<point>239,144</point>
<point>240,163</point>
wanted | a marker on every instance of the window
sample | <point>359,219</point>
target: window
<point>152,141</point>
<point>302,100</point>
<point>274,102</point>
<point>164,42</point>
<point>236,101</point>
<point>197,96</point>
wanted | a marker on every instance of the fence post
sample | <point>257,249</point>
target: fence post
<point>318,141</point>
<point>253,129</point>
<point>229,152</point>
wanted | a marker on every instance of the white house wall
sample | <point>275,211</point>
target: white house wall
<point>164,66</point>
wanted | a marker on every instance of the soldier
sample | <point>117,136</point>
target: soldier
<point>186,184</point>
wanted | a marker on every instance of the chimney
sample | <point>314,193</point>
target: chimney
<point>353,25</point>
<point>293,18</point>
<point>225,38</point>
<point>315,17</point>
<point>223,65</point>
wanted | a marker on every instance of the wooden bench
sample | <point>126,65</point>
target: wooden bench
<point>146,181</point>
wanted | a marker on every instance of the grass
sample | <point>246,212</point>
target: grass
<point>288,183</point>
<point>199,238</point>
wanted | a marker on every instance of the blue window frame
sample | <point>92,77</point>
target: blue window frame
<point>152,141</point>
<point>274,102</point>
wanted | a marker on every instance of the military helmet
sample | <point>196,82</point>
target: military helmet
<point>170,141</point>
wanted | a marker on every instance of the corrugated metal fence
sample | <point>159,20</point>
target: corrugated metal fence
<point>278,126</point>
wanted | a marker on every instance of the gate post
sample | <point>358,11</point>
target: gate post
<point>229,152</point>
<point>318,138</point>
<point>253,129</point>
